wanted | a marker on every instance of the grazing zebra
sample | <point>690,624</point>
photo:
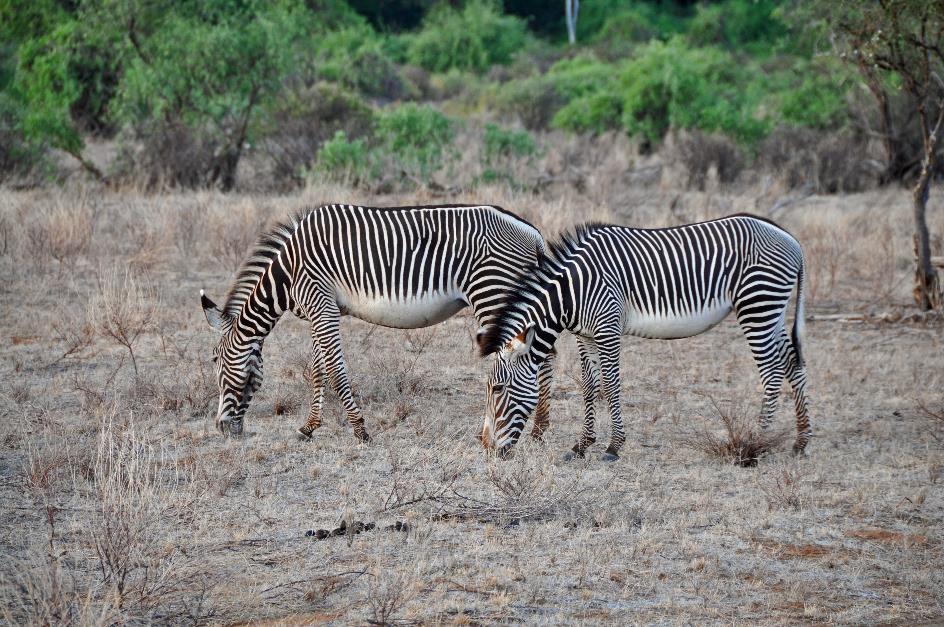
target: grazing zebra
<point>602,282</point>
<point>403,267</point>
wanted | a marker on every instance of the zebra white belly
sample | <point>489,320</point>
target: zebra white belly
<point>412,313</point>
<point>676,326</point>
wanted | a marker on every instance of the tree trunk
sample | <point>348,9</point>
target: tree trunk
<point>571,9</point>
<point>927,288</point>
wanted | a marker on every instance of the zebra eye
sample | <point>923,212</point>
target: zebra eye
<point>498,387</point>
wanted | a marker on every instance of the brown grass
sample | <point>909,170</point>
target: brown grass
<point>121,503</point>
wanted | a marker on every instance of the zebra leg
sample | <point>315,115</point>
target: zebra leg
<point>590,371</point>
<point>796,375</point>
<point>543,410</point>
<point>314,374</point>
<point>609,347</point>
<point>327,329</point>
<point>767,342</point>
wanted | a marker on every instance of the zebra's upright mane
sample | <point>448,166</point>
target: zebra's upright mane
<point>530,282</point>
<point>260,257</point>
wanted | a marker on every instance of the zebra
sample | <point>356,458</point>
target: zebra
<point>604,281</point>
<point>403,267</point>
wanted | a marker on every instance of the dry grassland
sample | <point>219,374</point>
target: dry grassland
<point>120,503</point>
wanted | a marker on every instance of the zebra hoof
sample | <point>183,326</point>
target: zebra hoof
<point>302,436</point>
<point>799,450</point>
<point>363,438</point>
<point>505,453</point>
<point>570,456</point>
<point>609,457</point>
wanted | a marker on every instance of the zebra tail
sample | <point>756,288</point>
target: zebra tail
<point>799,317</point>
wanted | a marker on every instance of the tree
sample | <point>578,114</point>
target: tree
<point>209,70</point>
<point>902,42</point>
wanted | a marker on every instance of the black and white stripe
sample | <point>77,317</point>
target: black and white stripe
<point>404,267</point>
<point>602,282</point>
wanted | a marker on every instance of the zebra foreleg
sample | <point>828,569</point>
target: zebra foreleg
<point>543,410</point>
<point>314,374</point>
<point>609,348</point>
<point>327,330</point>
<point>590,374</point>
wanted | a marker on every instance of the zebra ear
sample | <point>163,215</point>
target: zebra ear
<point>219,321</point>
<point>521,343</point>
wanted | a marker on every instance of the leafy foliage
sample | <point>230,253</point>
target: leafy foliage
<point>416,137</point>
<point>474,38</point>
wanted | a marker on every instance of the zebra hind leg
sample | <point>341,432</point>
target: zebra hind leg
<point>796,375</point>
<point>314,374</point>
<point>543,410</point>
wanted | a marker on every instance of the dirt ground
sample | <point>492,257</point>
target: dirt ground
<point>120,502</point>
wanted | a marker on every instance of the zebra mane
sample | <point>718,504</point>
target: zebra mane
<point>267,247</point>
<point>530,282</point>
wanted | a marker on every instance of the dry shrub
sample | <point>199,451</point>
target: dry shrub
<point>742,443</point>
<point>74,332</point>
<point>41,593</point>
<point>705,158</point>
<point>141,573</point>
<point>389,590</point>
<point>824,163</point>
<point>149,248</point>
<point>235,232</point>
<point>305,120</point>
<point>123,309</point>
<point>785,487</point>
<point>829,247</point>
<point>62,232</point>
<point>165,155</point>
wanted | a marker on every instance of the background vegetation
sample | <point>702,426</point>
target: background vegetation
<point>186,91</point>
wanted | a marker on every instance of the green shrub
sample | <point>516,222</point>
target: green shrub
<point>611,20</point>
<point>344,159</point>
<point>503,144</point>
<point>18,156</point>
<point>814,95</point>
<point>738,24</point>
<point>472,39</point>
<point>594,113</point>
<point>356,57</point>
<point>672,86</point>
<point>533,101</point>
<point>417,138</point>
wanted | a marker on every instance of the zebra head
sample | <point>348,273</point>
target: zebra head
<point>512,392</point>
<point>238,368</point>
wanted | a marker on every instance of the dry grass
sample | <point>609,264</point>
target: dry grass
<point>119,502</point>
<point>742,443</point>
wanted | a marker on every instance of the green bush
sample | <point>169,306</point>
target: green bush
<point>611,20</point>
<point>814,95</point>
<point>670,85</point>
<point>417,138</point>
<point>594,113</point>
<point>754,25</point>
<point>501,144</point>
<point>356,57</point>
<point>474,38</point>
<point>533,101</point>
<point>344,159</point>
